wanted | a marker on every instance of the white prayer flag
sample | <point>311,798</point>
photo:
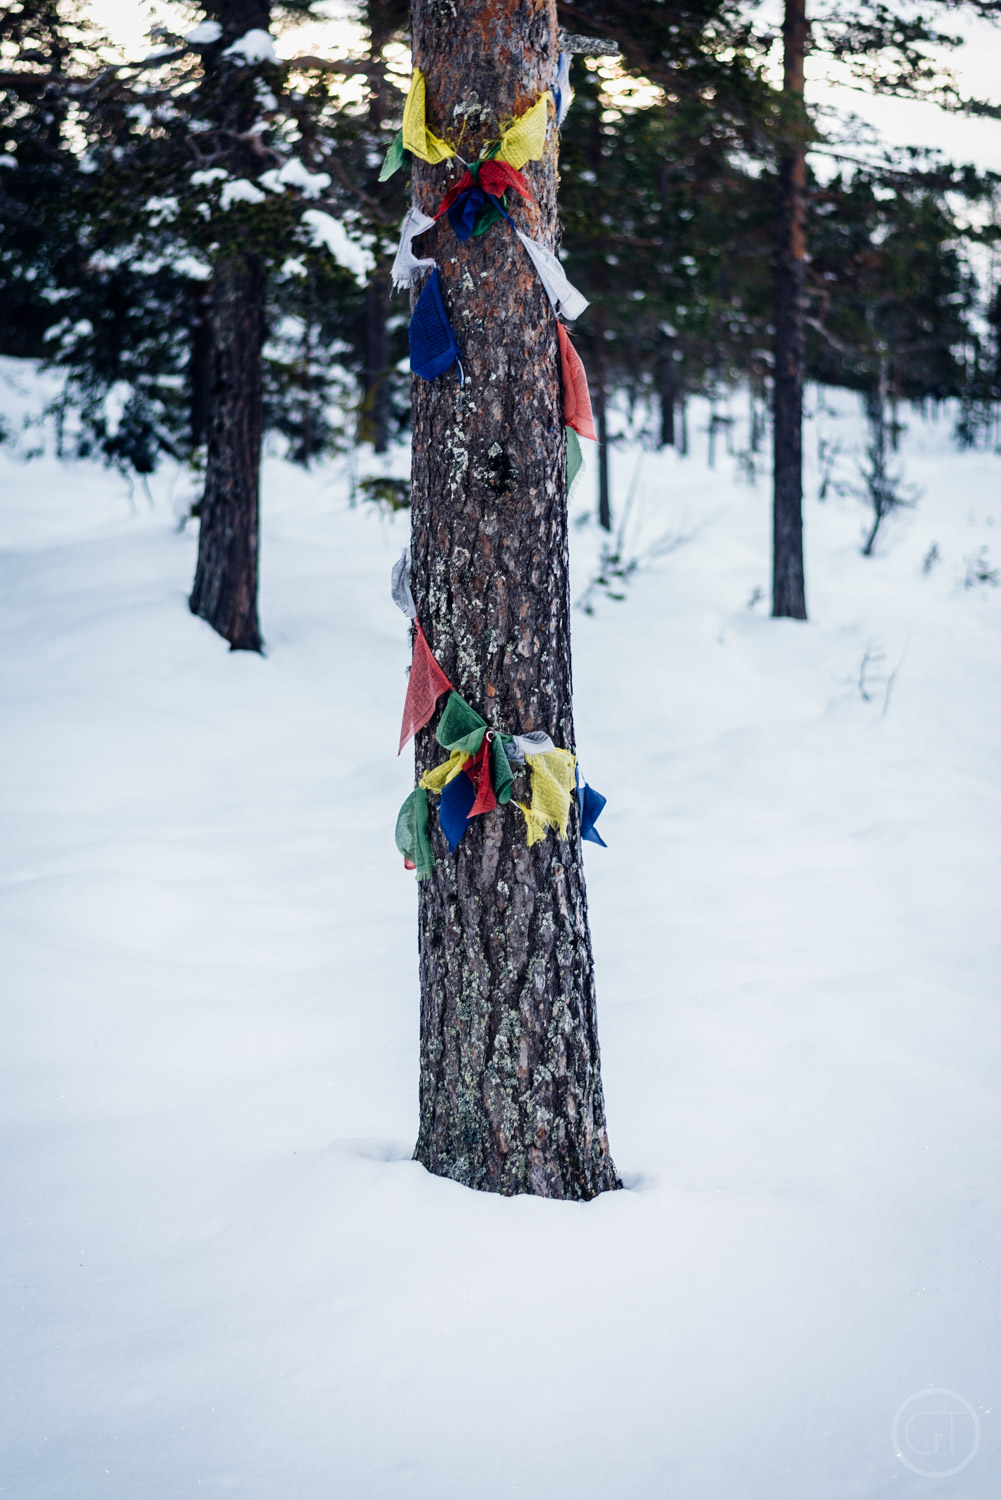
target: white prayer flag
<point>407,264</point>
<point>563,91</point>
<point>402,597</point>
<point>567,301</point>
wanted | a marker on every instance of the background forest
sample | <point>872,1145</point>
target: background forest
<point>124,187</point>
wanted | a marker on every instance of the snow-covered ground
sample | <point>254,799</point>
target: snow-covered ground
<point>221,1270</point>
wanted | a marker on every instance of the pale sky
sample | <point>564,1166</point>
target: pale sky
<point>976,65</point>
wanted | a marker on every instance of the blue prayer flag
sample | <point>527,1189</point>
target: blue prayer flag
<point>457,799</point>
<point>433,347</point>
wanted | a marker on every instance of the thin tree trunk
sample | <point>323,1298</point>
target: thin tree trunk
<point>383,19</point>
<point>510,1087</point>
<point>225,587</point>
<point>601,423</point>
<point>878,481</point>
<point>375,426</point>
<point>224,592</point>
<point>788,590</point>
<point>667,388</point>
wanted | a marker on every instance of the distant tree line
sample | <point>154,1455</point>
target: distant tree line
<point>200,239</point>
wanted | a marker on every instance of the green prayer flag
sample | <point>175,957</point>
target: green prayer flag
<point>488,216</point>
<point>461,727</point>
<point>501,770</point>
<point>575,460</point>
<point>412,837</point>
<point>395,157</point>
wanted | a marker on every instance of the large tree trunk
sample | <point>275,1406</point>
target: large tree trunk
<point>225,587</point>
<point>788,592</point>
<point>510,1089</point>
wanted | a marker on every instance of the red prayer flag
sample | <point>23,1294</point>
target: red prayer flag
<point>464,182</point>
<point>496,176</point>
<point>576,397</point>
<point>478,771</point>
<point>425,686</point>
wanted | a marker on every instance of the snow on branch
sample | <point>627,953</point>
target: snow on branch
<point>326,230</point>
<point>255,46</point>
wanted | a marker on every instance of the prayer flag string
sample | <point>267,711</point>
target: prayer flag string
<point>477,777</point>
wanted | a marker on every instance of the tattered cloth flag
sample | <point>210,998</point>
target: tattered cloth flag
<point>532,743</point>
<point>478,772</point>
<point>575,461</point>
<point>407,265</point>
<point>437,780</point>
<point>394,159</point>
<point>525,140</point>
<point>562,92</point>
<point>552,787</point>
<point>465,782</point>
<point>400,587</point>
<point>460,727</point>
<point>412,837</point>
<point>576,397</point>
<point>590,804</point>
<point>433,346</point>
<point>465,212</point>
<point>566,300</point>
<point>417,139</point>
<point>455,807</point>
<point>500,769</point>
<point>494,177</point>
<point>425,686</point>
<point>477,775</point>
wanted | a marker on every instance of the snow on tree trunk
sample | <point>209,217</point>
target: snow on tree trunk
<point>510,1087</point>
<point>788,590</point>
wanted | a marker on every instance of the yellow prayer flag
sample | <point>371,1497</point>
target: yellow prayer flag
<point>525,140</point>
<point>535,829</point>
<point>552,787</point>
<point>417,139</point>
<point>438,779</point>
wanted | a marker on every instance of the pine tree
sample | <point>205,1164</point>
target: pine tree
<point>510,1088</point>
<point>895,48</point>
<point>45,50</point>
<point>212,151</point>
<point>788,582</point>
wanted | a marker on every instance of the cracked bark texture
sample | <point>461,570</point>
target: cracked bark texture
<point>510,1084</point>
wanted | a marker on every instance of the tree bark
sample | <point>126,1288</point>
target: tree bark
<point>383,19</point>
<point>225,587</point>
<point>667,388</point>
<point>788,589</point>
<point>510,1087</point>
<point>375,425</point>
<point>200,364</point>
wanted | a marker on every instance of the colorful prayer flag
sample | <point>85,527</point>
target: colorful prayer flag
<point>425,686</point>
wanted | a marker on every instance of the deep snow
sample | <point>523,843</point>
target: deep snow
<point>221,1270</point>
